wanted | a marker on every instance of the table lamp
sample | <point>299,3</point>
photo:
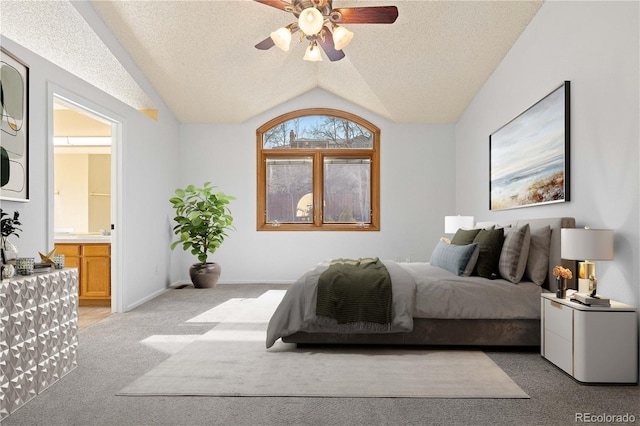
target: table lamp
<point>586,245</point>
<point>453,223</point>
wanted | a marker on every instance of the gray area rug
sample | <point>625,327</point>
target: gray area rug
<point>231,360</point>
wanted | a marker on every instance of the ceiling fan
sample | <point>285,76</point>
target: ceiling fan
<point>314,18</point>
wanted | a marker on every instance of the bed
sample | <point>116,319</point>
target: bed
<point>435,306</point>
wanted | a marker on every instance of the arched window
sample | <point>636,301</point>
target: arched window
<point>318,169</point>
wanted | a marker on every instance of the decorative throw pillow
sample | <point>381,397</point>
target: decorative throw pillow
<point>490,244</point>
<point>514,254</point>
<point>453,258</point>
<point>468,270</point>
<point>464,237</point>
<point>538,262</point>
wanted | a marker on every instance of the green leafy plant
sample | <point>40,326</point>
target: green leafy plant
<point>202,218</point>
<point>9,225</point>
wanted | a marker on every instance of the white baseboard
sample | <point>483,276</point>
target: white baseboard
<point>145,299</point>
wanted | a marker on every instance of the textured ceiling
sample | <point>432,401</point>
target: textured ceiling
<point>424,68</point>
<point>55,31</point>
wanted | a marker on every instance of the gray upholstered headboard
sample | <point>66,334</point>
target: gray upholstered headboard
<point>555,223</point>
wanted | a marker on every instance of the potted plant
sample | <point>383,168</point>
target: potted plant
<point>9,226</point>
<point>202,218</point>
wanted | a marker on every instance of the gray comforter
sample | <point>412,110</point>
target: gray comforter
<point>297,311</point>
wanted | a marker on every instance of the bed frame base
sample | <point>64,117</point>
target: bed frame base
<point>449,332</point>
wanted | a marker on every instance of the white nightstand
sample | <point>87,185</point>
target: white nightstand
<point>592,344</point>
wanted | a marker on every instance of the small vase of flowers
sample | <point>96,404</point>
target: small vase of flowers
<point>562,275</point>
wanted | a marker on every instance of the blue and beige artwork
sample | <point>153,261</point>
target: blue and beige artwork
<point>528,156</point>
<point>13,126</point>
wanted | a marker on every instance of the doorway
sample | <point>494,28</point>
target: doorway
<point>83,197</point>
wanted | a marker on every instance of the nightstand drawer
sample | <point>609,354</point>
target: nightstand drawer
<point>558,319</point>
<point>559,351</point>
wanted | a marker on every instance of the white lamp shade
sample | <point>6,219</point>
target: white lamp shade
<point>341,37</point>
<point>313,53</point>
<point>282,38</point>
<point>586,244</point>
<point>310,21</point>
<point>453,223</point>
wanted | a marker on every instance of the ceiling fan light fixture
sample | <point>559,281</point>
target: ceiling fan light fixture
<point>313,53</point>
<point>282,38</point>
<point>310,21</point>
<point>341,37</point>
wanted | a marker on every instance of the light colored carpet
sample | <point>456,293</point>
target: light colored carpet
<point>231,360</point>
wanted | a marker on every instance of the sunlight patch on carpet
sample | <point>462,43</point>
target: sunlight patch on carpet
<point>170,344</point>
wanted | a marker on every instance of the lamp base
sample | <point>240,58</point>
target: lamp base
<point>583,285</point>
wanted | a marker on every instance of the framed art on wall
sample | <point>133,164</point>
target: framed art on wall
<point>529,156</point>
<point>14,129</point>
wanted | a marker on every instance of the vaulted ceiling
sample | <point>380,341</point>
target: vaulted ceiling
<point>200,58</point>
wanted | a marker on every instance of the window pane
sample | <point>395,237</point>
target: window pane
<point>289,190</point>
<point>347,190</point>
<point>318,132</point>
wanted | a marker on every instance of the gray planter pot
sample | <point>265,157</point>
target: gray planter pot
<point>205,275</point>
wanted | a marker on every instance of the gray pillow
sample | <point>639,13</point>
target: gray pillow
<point>453,258</point>
<point>468,270</point>
<point>515,253</point>
<point>538,261</point>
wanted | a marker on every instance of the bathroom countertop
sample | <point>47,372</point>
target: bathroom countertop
<point>82,238</point>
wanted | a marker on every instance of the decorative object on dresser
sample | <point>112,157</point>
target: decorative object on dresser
<point>8,271</point>
<point>593,344</point>
<point>24,265</point>
<point>583,244</point>
<point>9,226</point>
<point>48,258</point>
<point>529,156</point>
<point>58,260</point>
<point>202,218</point>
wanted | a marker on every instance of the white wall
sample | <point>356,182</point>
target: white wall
<point>71,188</point>
<point>417,185</point>
<point>595,45</point>
<point>149,174</point>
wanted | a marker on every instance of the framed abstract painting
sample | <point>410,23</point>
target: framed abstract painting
<point>529,156</point>
<point>14,129</point>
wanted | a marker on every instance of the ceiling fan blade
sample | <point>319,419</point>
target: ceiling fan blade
<point>265,44</point>
<point>327,46</point>
<point>364,15</point>
<point>278,4</point>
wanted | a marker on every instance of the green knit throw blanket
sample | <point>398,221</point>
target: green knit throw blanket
<point>355,290</point>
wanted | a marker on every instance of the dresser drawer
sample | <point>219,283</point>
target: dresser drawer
<point>558,319</point>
